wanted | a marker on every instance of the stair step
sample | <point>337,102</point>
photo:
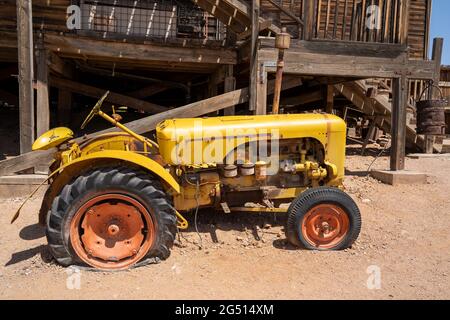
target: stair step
<point>446,146</point>
<point>357,93</point>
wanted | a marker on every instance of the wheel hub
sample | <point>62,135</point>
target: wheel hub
<point>325,225</point>
<point>112,231</point>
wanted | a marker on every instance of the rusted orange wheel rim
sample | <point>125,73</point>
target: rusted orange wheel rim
<point>325,226</point>
<point>112,231</point>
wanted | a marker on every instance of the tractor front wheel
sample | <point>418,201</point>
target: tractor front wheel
<point>110,219</point>
<point>323,219</point>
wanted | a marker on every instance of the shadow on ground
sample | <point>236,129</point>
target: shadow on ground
<point>32,232</point>
<point>24,255</point>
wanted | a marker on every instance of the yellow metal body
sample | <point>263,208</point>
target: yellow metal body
<point>52,138</point>
<point>180,139</point>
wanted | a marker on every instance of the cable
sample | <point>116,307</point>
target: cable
<point>376,158</point>
<point>197,190</point>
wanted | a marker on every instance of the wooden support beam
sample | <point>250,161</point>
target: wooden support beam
<point>76,47</point>
<point>42,98</point>
<point>25,59</point>
<point>196,109</point>
<point>329,64</point>
<point>254,55</point>
<point>215,79</point>
<point>398,123</point>
<point>229,85</point>
<point>329,105</point>
<point>59,66</point>
<point>113,97</point>
<point>261,90</point>
<point>263,25</point>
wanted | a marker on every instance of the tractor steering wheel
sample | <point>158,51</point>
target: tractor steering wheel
<point>94,110</point>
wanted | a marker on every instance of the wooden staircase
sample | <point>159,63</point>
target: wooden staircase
<point>235,14</point>
<point>373,99</point>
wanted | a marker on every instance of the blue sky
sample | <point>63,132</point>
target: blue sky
<point>440,27</point>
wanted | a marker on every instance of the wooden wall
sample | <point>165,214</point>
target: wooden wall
<point>346,23</point>
<point>49,15</point>
<point>419,25</point>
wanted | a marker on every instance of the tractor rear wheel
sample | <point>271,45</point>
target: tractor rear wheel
<point>323,219</point>
<point>110,219</point>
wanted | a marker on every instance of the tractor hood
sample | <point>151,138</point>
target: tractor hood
<point>181,140</point>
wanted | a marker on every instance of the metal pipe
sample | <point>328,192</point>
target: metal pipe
<point>282,42</point>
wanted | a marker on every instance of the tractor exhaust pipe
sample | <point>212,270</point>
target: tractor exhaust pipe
<point>282,42</point>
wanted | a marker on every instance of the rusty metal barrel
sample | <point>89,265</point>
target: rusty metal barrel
<point>431,116</point>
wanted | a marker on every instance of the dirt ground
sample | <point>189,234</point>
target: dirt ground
<point>405,236</point>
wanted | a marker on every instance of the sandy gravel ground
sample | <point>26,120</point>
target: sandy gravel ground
<point>405,236</point>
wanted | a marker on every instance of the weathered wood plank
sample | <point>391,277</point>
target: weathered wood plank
<point>42,98</point>
<point>25,58</point>
<point>254,55</point>
<point>329,61</point>
<point>229,85</point>
<point>398,123</point>
<point>70,46</point>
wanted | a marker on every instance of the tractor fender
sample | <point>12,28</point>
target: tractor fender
<point>107,157</point>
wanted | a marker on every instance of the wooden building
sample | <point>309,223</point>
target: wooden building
<point>195,57</point>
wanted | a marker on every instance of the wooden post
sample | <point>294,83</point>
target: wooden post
<point>330,99</point>
<point>254,55</point>
<point>42,100</point>
<point>398,122</point>
<point>261,90</point>
<point>229,85</point>
<point>308,27</point>
<point>436,56</point>
<point>25,64</point>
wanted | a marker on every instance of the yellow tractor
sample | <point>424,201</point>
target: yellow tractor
<point>118,199</point>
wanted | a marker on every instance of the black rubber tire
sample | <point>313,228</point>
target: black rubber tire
<point>137,184</point>
<point>316,196</point>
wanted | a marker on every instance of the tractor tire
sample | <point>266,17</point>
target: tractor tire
<point>323,219</point>
<point>110,219</point>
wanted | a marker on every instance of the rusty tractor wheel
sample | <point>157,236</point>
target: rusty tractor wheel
<point>111,219</point>
<point>323,219</point>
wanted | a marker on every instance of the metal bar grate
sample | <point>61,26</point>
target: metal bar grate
<point>150,19</point>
